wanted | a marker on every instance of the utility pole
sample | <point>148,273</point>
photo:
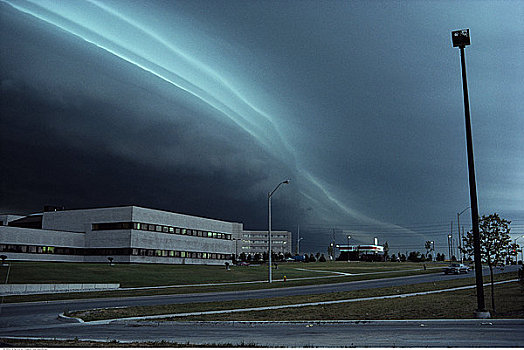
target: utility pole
<point>461,39</point>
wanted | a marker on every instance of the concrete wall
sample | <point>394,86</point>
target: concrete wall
<point>80,220</point>
<point>19,235</point>
<point>157,240</point>
<point>25,289</point>
<point>180,220</point>
<point>108,239</point>
<point>7,218</point>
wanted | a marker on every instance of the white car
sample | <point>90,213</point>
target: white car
<point>456,269</point>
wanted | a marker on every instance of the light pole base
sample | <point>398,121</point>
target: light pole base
<point>482,314</point>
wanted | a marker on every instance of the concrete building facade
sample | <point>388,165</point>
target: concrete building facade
<point>126,234</point>
<point>253,242</point>
<point>131,234</point>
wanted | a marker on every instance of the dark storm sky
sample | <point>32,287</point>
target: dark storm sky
<point>203,107</point>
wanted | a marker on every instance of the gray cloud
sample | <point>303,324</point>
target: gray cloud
<point>359,103</point>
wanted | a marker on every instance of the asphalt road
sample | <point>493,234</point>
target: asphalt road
<point>40,320</point>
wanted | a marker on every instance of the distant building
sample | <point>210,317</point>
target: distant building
<point>129,234</point>
<point>366,252</point>
<point>253,242</point>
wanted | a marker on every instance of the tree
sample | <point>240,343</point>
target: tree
<point>427,245</point>
<point>386,251</point>
<point>494,244</point>
<point>322,258</point>
<point>312,258</point>
<point>415,257</point>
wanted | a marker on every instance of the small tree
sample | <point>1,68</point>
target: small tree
<point>386,251</point>
<point>494,244</point>
<point>427,245</point>
<point>322,258</point>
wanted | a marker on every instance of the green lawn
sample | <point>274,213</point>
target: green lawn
<point>455,304</point>
<point>142,275</point>
<point>146,275</point>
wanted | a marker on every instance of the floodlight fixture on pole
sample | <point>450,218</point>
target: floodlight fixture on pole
<point>270,279</point>
<point>461,39</point>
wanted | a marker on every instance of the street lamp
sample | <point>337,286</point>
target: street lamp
<point>298,245</point>
<point>432,250</point>
<point>460,235</point>
<point>348,246</point>
<point>269,223</point>
<point>461,39</point>
<point>449,246</point>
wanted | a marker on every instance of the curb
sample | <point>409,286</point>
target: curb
<point>69,319</point>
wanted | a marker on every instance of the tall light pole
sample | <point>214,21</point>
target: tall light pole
<point>269,224</point>
<point>449,246</point>
<point>432,250</point>
<point>461,39</point>
<point>460,235</point>
<point>348,246</point>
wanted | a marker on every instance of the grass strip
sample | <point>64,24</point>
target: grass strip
<point>212,289</point>
<point>112,313</point>
<point>75,343</point>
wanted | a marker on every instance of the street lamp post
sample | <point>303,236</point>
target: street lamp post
<point>461,39</point>
<point>460,235</point>
<point>432,250</point>
<point>449,246</point>
<point>269,225</point>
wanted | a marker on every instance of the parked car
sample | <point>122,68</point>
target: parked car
<point>456,269</point>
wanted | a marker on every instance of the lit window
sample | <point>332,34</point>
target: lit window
<point>171,230</point>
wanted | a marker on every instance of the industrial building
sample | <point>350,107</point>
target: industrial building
<point>253,242</point>
<point>368,252</point>
<point>127,234</point>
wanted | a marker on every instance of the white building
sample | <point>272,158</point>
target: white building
<point>130,234</point>
<point>126,234</point>
<point>253,242</point>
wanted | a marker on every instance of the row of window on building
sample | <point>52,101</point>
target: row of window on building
<point>158,228</point>
<point>32,249</point>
